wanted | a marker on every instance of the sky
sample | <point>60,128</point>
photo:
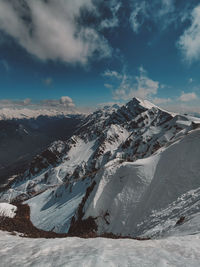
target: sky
<point>82,54</point>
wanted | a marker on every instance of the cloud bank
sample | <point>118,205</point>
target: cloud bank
<point>65,103</point>
<point>186,97</point>
<point>50,30</point>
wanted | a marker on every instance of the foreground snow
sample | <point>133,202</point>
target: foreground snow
<point>173,251</point>
<point>7,210</point>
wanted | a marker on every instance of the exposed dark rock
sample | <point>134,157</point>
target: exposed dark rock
<point>181,220</point>
<point>21,223</point>
<point>78,225</point>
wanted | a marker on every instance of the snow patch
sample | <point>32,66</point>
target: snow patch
<point>7,210</point>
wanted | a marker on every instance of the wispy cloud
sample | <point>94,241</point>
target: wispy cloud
<point>14,103</point>
<point>112,74</point>
<point>109,86</point>
<point>140,86</point>
<point>5,65</point>
<point>154,11</point>
<point>113,21</point>
<point>182,107</point>
<point>138,15</point>
<point>186,97</point>
<point>159,101</point>
<point>189,42</point>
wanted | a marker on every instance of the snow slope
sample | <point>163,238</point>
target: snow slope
<point>53,209</point>
<point>129,192</point>
<point>163,222</point>
<point>7,210</point>
<point>119,192</point>
<point>99,252</point>
<point>177,172</point>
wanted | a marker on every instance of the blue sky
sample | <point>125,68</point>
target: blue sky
<point>95,52</point>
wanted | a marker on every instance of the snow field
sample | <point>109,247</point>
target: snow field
<point>99,252</point>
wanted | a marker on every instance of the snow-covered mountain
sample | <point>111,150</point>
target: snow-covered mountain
<point>123,168</point>
<point>21,139</point>
<point>28,113</point>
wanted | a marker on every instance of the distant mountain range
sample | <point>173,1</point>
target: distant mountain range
<point>131,170</point>
<point>28,113</point>
<point>22,138</point>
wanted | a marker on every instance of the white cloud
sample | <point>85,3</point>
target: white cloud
<point>51,31</point>
<point>67,101</point>
<point>109,86</point>
<point>189,42</point>
<point>186,97</point>
<point>159,101</point>
<point>64,102</point>
<point>112,74</point>
<point>143,87</point>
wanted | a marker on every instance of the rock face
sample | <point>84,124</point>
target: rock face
<point>120,165</point>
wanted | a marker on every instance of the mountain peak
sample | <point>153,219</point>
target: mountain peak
<point>113,150</point>
<point>137,102</point>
